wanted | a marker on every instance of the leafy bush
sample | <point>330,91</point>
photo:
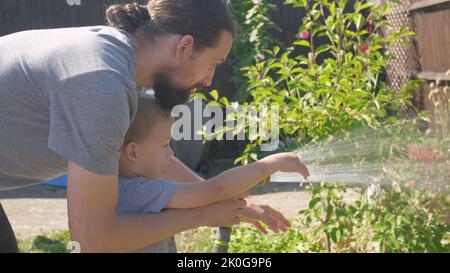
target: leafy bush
<point>408,212</point>
<point>336,86</point>
<point>254,36</point>
<point>332,90</point>
<point>410,220</point>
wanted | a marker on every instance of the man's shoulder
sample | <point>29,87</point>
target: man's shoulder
<point>68,52</point>
<point>104,46</point>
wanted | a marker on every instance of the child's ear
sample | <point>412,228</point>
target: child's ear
<point>130,151</point>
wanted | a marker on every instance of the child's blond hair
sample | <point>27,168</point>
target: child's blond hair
<point>149,112</point>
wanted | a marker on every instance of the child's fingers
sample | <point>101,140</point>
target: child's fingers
<point>303,170</point>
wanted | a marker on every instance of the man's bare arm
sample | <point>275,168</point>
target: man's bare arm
<point>96,226</point>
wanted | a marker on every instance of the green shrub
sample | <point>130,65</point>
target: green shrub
<point>255,34</point>
<point>336,86</point>
<point>410,220</point>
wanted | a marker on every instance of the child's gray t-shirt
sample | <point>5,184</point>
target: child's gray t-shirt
<point>141,196</point>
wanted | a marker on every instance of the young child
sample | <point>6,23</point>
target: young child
<point>146,154</point>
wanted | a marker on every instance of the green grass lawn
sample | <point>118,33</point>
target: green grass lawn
<point>199,240</point>
<point>54,242</point>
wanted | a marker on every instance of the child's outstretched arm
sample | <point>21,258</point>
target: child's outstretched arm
<point>234,181</point>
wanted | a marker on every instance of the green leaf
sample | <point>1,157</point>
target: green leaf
<point>302,43</point>
<point>377,104</point>
<point>409,33</point>
<point>254,156</point>
<point>313,202</point>
<point>200,96</point>
<point>315,14</point>
<point>276,50</point>
<point>224,101</point>
<point>334,235</point>
<point>340,213</point>
<point>214,94</point>
<point>213,104</point>
<point>321,49</point>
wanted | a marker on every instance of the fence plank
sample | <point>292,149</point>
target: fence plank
<point>433,40</point>
<point>426,3</point>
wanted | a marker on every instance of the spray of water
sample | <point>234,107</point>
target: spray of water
<point>366,156</point>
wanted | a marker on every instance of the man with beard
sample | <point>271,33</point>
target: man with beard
<point>68,96</point>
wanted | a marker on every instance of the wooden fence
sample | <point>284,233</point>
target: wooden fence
<point>18,15</point>
<point>432,24</point>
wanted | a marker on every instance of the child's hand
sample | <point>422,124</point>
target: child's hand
<point>287,162</point>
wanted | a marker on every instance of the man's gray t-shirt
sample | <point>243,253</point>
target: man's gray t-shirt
<point>65,94</point>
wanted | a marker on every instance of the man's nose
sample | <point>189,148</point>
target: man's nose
<point>207,81</point>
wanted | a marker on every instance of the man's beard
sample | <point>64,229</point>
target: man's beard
<point>168,94</point>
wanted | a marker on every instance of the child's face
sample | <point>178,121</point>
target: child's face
<point>152,155</point>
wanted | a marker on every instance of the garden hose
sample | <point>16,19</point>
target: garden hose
<point>222,240</point>
<point>223,234</point>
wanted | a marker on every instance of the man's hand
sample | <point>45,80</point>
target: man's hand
<point>223,214</point>
<point>255,214</point>
<point>233,211</point>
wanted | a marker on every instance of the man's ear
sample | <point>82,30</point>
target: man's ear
<point>185,47</point>
<point>130,151</point>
